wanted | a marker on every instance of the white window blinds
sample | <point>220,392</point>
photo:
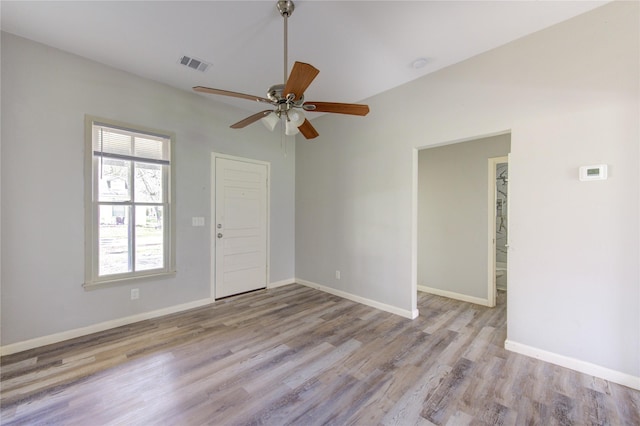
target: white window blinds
<point>130,145</point>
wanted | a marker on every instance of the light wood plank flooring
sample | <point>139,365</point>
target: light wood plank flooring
<point>294,355</point>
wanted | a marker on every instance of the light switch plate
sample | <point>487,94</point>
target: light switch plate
<point>197,221</point>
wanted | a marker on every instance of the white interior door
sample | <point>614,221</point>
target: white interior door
<point>240,226</point>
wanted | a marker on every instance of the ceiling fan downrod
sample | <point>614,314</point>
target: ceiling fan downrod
<point>286,8</point>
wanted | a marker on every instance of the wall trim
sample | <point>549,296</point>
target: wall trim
<point>281,283</point>
<point>359,299</point>
<point>107,325</point>
<point>456,296</point>
<point>614,376</point>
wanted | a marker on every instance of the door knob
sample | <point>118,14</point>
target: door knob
<point>219,235</point>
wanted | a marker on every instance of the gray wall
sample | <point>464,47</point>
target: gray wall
<point>453,215</point>
<point>569,95</point>
<point>45,96</point>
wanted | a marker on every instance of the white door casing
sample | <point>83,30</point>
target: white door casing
<point>239,225</point>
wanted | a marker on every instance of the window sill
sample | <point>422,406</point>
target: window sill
<point>94,285</point>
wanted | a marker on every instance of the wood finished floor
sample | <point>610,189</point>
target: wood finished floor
<point>294,355</point>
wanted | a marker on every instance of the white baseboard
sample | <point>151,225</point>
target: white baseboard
<point>358,299</point>
<point>614,376</point>
<point>282,283</point>
<point>107,325</point>
<point>456,296</point>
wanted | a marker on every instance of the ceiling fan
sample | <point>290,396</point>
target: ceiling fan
<point>287,100</point>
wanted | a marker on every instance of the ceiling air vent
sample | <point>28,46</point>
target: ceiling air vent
<point>193,63</point>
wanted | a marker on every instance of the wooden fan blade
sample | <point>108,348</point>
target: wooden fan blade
<point>338,108</point>
<point>307,130</point>
<point>300,78</point>
<point>251,119</point>
<point>228,93</point>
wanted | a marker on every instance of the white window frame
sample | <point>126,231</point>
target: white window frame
<point>92,220</point>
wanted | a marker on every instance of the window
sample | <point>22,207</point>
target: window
<point>130,216</point>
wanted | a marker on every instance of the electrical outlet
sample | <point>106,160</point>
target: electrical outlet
<point>135,293</point>
<point>337,275</point>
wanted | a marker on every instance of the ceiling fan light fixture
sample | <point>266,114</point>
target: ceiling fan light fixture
<point>296,117</point>
<point>290,129</point>
<point>270,121</point>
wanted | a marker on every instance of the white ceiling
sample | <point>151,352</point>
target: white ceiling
<point>361,48</point>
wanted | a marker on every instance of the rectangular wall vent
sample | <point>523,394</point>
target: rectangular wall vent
<point>193,63</point>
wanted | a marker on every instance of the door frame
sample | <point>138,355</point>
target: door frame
<point>492,198</point>
<point>212,218</point>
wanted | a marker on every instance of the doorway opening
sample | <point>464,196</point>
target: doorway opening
<point>498,214</point>
<point>455,218</point>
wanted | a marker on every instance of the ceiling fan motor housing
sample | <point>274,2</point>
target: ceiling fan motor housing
<point>274,94</point>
